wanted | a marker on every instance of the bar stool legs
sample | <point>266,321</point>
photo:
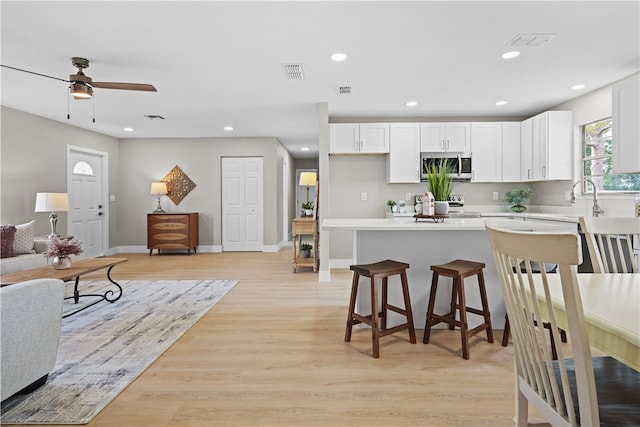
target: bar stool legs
<point>458,270</point>
<point>378,319</point>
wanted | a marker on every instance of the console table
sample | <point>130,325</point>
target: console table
<point>304,227</point>
<point>172,231</point>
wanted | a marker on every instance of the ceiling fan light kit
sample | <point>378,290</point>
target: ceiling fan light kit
<point>81,90</point>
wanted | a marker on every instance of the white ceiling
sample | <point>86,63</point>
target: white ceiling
<point>220,63</point>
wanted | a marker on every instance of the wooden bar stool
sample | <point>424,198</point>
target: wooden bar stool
<point>458,270</point>
<point>378,320</point>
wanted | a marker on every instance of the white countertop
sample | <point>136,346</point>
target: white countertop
<point>451,224</point>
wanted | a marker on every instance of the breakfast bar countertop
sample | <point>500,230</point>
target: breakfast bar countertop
<point>517,221</point>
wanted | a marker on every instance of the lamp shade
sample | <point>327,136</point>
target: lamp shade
<point>308,178</point>
<point>159,188</point>
<point>52,202</point>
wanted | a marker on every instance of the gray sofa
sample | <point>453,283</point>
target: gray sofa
<point>30,318</point>
<point>25,261</point>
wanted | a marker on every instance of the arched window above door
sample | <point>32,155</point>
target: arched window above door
<point>83,168</point>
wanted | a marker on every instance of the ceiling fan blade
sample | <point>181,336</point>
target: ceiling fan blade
<point>124,86</point>
<point>33,72</point>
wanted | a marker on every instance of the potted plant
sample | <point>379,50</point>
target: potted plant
<point>305,250</point>
<point>440,184</point>
<point>308,208</point>
<point>516,197</point>
<point>391,204</point>
<point>61,250</point>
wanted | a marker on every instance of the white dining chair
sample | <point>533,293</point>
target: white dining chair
<point>576,390</point>
<point>610,243</point>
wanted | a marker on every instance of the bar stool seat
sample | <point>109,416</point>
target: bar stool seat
<point>377,320</point>
<point>458,270</point>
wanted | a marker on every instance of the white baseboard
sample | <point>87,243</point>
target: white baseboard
<point>340,263</point>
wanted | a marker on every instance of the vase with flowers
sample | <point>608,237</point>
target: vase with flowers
<point>516,197</point>
<point>61,250</point>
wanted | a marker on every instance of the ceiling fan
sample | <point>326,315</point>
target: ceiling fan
<point>81,86</point>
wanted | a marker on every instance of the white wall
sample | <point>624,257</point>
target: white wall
<point>33,159</point>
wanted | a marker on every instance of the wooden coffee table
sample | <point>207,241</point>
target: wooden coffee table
<point>78,268</point>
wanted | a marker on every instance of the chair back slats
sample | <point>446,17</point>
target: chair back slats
<point>610,243</point>
<point>544,382</point>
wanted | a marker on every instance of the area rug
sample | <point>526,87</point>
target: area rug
<point>105,347</point>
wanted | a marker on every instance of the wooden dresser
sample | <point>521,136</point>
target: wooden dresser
<point>172,231</point>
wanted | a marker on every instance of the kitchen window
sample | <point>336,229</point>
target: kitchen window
<point>598,141</point>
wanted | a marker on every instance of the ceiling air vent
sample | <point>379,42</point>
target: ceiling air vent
<point>530,40</point>
<point>293,71</point>
<point>153,117</point>
<point>344,90</point>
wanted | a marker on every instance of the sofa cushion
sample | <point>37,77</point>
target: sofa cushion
<point>23,240</point>
<point>7,236</point>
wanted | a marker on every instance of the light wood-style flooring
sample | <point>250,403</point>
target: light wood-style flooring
<point>272,353</point>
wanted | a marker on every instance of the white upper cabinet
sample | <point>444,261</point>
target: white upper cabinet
<point>496,151</point>
<point>511,152</point>
<point>552,146</point>
<point>526,150</point>
<point>451,136</point>
<point>486,144</point>
<point>626,127</point>
<point>403,161</point>
<point>359,138</point>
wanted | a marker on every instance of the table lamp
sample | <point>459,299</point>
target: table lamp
<point>159,188</point>
<point>308,179</point>
<point>52,202</point>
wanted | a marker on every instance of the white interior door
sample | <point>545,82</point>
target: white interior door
<point>87,205</point>
<point>242,204</point>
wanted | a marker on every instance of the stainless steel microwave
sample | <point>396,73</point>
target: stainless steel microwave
<point>459,165</point>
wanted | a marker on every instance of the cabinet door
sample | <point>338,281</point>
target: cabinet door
<point>487,152</point>
<point>540,142</point>
<point>511,152</point>
<point>432,137</point>
<point>626,133</point>
<point>403,161</point>
<point>559,145</point>
<point>526,150</point>
<point>374,138</point>
<point>458,137</point>
<point>344,138</point>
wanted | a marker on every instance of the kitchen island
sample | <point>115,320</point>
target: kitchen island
<point>425,243</point>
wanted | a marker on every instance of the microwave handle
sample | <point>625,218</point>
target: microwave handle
<point>459,165</point>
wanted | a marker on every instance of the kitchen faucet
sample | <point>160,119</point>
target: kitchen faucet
<point>597,210</point>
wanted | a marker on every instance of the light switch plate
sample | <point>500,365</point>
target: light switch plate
<point>363,196</point>
<point>496,196</point>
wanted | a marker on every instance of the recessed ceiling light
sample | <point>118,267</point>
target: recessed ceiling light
<point>511,54</point>
<point>228,128</point>
<point>500,103</point>
<point>128,129</point>
<point>304,149</point>
<point>578,87</point>
<point>411,103</point>
<point>338,57</point>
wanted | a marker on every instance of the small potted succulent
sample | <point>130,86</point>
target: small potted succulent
<point>305,250</point>
<point>516,197</point>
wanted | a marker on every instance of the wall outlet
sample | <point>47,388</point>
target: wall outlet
<point>112,198</point>
<point>363,196</point>
<point>407,196</point>
<point>567,195</point>
<point>496,196</point>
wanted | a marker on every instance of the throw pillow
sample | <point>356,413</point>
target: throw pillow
<point>7,233</point>
<point>23,240</point>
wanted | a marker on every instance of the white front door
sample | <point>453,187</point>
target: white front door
<point>242,204</point>
<point>86,216</point>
